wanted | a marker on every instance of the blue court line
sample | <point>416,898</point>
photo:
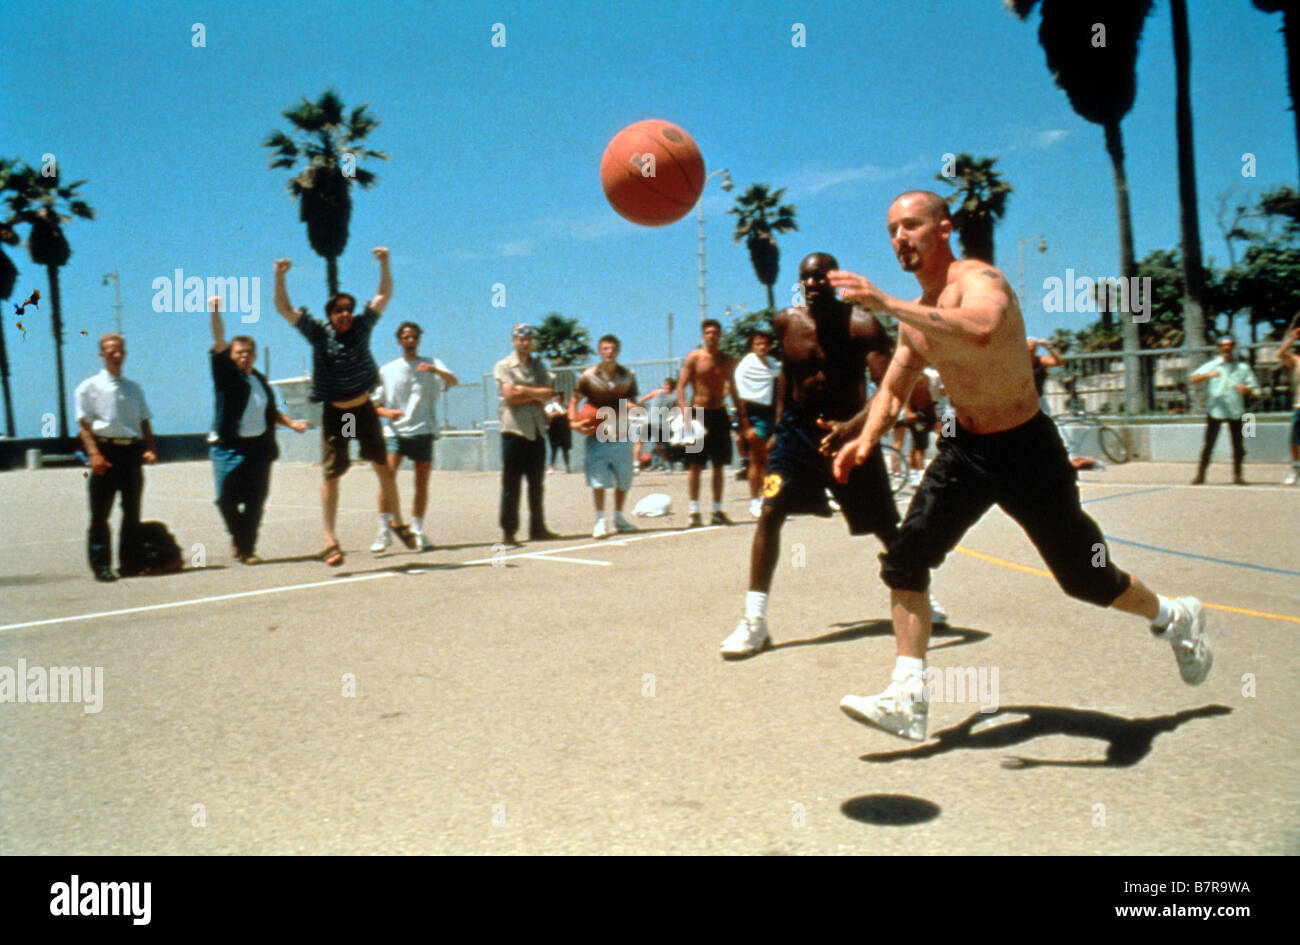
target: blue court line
<point>1121,495</point>
<point>1188,554</point>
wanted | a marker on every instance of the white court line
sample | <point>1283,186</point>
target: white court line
<point>552,554</point>
<point>542,557</point>
<point>199,600</point>
<point>604,543</point>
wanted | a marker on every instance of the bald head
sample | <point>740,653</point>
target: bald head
<point>813,272</point>
<point>931,202</point>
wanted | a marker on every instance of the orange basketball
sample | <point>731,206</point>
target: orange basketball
<point>652,173</point>
<point>587,412</point>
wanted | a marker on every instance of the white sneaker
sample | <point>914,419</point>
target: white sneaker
<point>756,507</point>
<point>382,540</point>
<point>937,613</point>
<point>623,525</point>
<point>422,543</point>
<point>748,639</point>
<point>1191,642</point>
<point>1291,479</point>
<point>900,710</point>
<point>601,530</point>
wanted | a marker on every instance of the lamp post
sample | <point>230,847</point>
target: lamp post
<point>1020,253</point>
<point>726,185</point>
<point>117,296</point>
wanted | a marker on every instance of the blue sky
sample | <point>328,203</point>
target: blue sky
<point>495,151</point>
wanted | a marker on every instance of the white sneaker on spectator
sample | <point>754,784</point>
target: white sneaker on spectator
<point>623,525</point>
<point>382,540</point>
<point>601,530</point>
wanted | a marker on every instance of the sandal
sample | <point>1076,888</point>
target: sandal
<point>333,556</point>
<point>404,532</point>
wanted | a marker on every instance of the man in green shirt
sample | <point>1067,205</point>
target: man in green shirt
<point>1230,381</point>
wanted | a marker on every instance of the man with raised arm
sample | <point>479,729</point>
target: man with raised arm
<point>343,374</point>
<point>967,323</point>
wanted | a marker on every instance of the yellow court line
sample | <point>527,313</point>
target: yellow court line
<point>1041,573</point>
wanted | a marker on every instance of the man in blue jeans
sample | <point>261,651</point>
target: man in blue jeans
<point>526,385</point>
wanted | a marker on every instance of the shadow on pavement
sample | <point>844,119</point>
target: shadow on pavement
<point>885,628</point>
<point>1128,740</point>
<point>889,810</point>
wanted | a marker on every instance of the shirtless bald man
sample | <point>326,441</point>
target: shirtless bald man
<point>967,323</point>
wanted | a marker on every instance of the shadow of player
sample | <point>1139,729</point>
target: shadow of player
<point>857,630</point>
<point>1128,740</point>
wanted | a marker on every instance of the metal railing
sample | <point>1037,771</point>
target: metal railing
<point>1095,382</point>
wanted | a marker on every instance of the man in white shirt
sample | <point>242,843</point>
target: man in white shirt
<point>114,428</point>
<point>406,398</point>
<point>1230,381</point>
<point>759,410</point>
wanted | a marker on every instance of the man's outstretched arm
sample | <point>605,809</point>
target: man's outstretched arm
<point>385,290</point>
<point>282,293</point>
<point>984,300</point>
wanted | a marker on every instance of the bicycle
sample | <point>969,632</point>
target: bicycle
<point>896,466</point>
<point>1112,443</point>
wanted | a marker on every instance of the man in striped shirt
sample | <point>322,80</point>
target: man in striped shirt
<point>343,374</point>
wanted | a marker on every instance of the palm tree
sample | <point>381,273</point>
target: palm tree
<point>1290,10</point>
<point>330,145</point>
<point>981,200</point>
<point>759,215</point>
<point>561,341</point>
<point>1194,292</point>
<point>1098,72</point>
<point>43,205</point>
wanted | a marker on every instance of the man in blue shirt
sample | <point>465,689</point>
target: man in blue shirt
<point>1230,381</point>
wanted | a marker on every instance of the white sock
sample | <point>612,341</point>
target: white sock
<point>600,516</point>
<point>1168,611</point>
<point>387,519</point>
<point>417,524</point>
<point>695,506</point>
<point>618,516</point>
<point>755,605</point>
<point>717,506</point>
<point>907,668</point>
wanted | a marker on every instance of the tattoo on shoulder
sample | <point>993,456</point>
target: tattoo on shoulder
<point>992,274</point>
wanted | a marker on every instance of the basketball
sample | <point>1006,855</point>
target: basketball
<point>587,412</point>
<point>652,173</point>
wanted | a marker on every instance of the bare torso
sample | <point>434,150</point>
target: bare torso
<point>824,361</point>
<point>710,374</point>
<point>991,385</point>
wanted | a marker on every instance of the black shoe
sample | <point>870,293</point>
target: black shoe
<point>742,474</point>
<point>696,520</point>
<point>1238,481</point>
<point>544,534</point>
<point>720,518</point>
<point>510,540</point>
<point>105,575</point>
<point>1199,480</point>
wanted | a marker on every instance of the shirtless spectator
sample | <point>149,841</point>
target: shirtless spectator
<point>709,372</point>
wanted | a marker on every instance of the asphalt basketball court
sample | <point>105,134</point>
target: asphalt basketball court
<point>567,697</point>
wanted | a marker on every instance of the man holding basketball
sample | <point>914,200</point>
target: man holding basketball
<point>826,348</point>
<point>607,458</point>
<point>710,372</point>
<point>967,323</point>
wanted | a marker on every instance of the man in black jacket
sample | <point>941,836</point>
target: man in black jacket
<point>243,435</point>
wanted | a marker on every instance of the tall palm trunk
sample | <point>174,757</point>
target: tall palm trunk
<point>1128,268</point>
<point>332,275</point>
<point>1291,39</point>
<point>56,323</point>
<point>4,380</point>
<point>771,299</point>
<point>1193,280</point>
